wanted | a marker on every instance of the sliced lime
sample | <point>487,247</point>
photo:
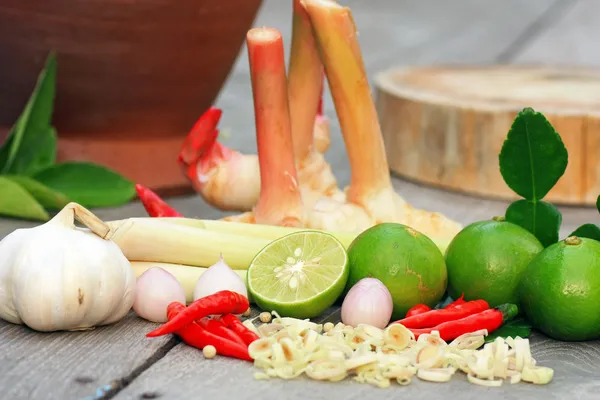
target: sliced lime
<point>299,275</point>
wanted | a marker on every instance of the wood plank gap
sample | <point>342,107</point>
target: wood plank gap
<point>112,389</point>
<point>552,15</point>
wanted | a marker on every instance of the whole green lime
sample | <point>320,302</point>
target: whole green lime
<point>408,263</point>
<point>486,261</point>
<point>560,290</point>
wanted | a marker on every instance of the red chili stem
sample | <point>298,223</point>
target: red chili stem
<point>233,323</point>
<point>196,336</point>
<point>216,327</point>
<point>490,319</point>
<point>435,317</point>
<point>418,309</point>
<point>222,302</point>
<point>154,205</point>
<point>457,302</point>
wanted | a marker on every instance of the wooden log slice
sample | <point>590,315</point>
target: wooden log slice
<point>445,126</point>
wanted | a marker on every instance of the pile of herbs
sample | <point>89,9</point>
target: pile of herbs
<point>32,182</point>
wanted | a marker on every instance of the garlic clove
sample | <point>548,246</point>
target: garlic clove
<point>217,277</point>
<point>155,290</point>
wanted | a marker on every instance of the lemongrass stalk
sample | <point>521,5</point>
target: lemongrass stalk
<point>280,202</point>
<point>335,33</point>
<point>305,81</point>
<point>149,239</point>
<point>186,275</point>
<point>272,232</point>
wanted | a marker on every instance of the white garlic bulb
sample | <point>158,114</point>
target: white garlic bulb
<point>57,276</point>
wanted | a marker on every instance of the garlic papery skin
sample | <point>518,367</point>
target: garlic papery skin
<point>219,277</point>
<point>57,276</point>
<point>368,302</point>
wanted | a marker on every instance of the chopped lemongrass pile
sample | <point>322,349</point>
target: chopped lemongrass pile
<point>290,347</point>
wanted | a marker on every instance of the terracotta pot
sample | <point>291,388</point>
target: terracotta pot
<point>133,76</point>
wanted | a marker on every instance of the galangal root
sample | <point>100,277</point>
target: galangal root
<point>288,163</point>
<point>230,180</point>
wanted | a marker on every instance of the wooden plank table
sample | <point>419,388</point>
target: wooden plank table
<point>119,362</point>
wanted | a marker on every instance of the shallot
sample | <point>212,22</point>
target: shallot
<point>155,290</point>
<point>219,277</point>
<point>367,302</point>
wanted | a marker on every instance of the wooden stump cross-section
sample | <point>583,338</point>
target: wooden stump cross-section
<point>445,126</point>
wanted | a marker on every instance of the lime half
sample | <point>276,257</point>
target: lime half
<point>299,275</point>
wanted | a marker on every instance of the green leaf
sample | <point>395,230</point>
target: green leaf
<point>48,198</point>
<point>88,184</point>
<point>533,156</point>
<point>17,202</point>
<point>598,204</point>
<point>538,217</point>
<point>590,231</point>
<point>517,327</point>
<point>32,140</point>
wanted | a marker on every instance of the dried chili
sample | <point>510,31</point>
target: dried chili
<point>436,317</point>
<point>233,323</point>
<point>490,319</point>
<point>154,205</point>
<point>222,302</point>
<point>194,335</point>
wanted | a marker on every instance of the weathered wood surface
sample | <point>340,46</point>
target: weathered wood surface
<point>460,116</point>
<point>45,366</point>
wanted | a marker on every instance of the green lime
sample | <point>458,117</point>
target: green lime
<point>560,290</point>
<point>408,263</point>
<point>486,261</point>
<point>299,275</point>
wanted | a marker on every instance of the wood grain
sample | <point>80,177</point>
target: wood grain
<point>74,365</point>
<point>445,126</point>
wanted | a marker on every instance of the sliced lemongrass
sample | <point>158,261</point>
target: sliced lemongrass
<point>482,365</point>
<point>404,380</point>
<point>248,324</point>
<point>484,382</point>
<point>261,376</point>
<point>325,370</point>
<point>429,357</point>
<point>515,377</point>
<point>432,338</point>
<point>434,374</point>
<point>537,375</point>
<point>356,362</point>
<point>269,329</point>
<point>398,336</point>
<point>470,340</point>
<point>260,349</point>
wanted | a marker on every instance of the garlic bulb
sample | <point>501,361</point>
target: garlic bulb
<point>57,276</point>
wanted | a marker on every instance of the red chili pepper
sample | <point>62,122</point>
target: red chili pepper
<point>490,319</point>
<point>201,137</point>
<point>196,336</point>
<point>457,302</point>
<point>436,317</point>
<point>218,328</point>
<point>222,302</point>
<point>233,323</point>
<point>154,205</point>
<point>418,309</point>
